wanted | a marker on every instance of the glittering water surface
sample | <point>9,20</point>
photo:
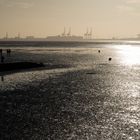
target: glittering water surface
<point>89,97</point>
<point>129,54</point>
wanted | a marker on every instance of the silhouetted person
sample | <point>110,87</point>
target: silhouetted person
<point>8,52</point>
<point>2,59</point>
<point>99,51</point>
<point>109,59</point>
<point>1,52</point>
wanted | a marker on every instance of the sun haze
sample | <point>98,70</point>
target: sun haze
<point>107,18</point>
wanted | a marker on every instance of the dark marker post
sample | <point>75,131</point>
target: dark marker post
<point>2,78</point>
<point>109,59</point>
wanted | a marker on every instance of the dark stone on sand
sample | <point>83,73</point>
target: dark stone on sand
<point>19,66</point>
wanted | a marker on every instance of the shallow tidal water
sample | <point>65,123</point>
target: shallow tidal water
<point>87,98</point>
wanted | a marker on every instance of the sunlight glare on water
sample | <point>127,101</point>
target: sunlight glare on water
<point>130,55</point>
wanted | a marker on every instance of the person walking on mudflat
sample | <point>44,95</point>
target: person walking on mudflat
<point>2,59</point>
<point>8,52</point>
<point>1,52</point>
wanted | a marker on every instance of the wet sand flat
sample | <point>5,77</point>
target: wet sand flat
<point>91,99</point>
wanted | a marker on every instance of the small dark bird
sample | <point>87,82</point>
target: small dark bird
<point>98,51</point>
<point>109,59</point>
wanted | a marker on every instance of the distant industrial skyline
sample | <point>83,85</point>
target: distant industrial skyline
<point>88,34</point>
<point>66,33</point>
<point>41,18</point>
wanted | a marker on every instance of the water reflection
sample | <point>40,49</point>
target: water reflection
<point>129,54</point>
<point>101,102</point>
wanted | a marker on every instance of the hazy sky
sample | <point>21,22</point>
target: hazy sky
<point>120,18</point>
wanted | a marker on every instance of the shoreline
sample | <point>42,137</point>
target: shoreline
<point>39,43</point>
